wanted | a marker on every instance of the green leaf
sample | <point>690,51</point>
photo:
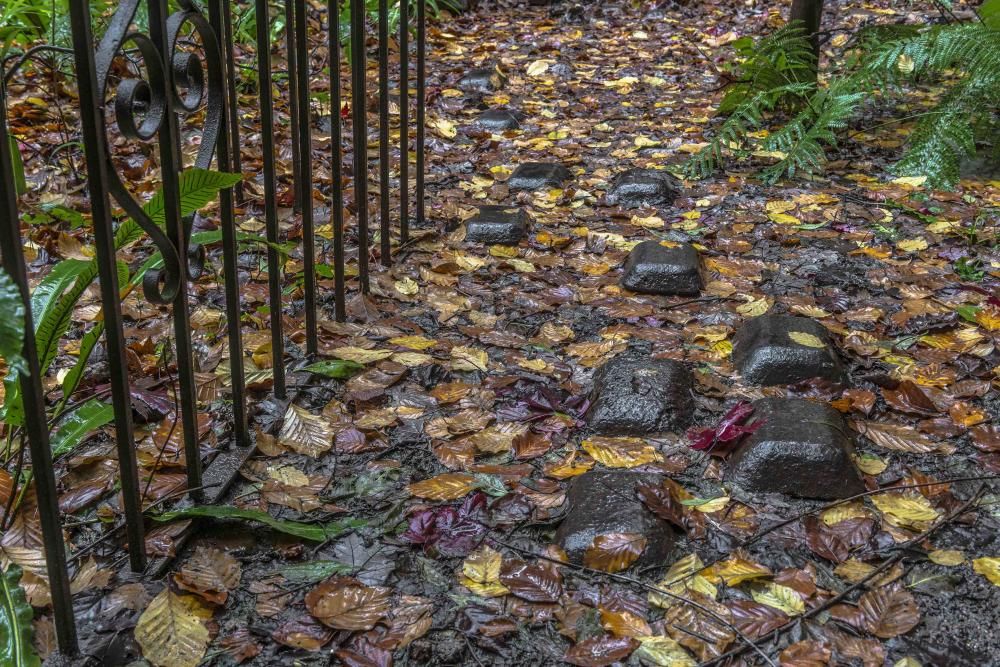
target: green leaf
<point>312,571</point>
<point>79,424</point>
<point>16,614</point>
<point>20,184</point>
<point>11,324</point>
<point>315,532</point>
<point>75,374</point>
<point>339,369</point>
<point>989,12</point>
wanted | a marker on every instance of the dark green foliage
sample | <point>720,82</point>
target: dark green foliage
<point>804,117</point>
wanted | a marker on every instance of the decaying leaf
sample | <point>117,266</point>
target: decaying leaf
<point>446,486</point>
<point>614,552</point>
<point>305,432</point>
<point>347,604</point>
<point>172,632</point>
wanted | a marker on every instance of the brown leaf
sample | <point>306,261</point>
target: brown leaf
<point>346,604</point>
<point>624,624</point>
<point>755,619</point>
<point>909,397</point>
<point>824,542</point>
<point>304,633</point>
<point>614,552</point>
<point>210,573</point>
<point>446,486</point>
<point>889,611</point>
<point>808,653</point>
<point>600,651</point>
<point>986,438</point>
<point>661,502</point>
<point>532,582</point>
<point>900,438</point>
<point>530,445</point>
<point>240,645</point>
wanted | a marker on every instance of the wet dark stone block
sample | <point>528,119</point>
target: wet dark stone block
<point>497,120</point>
<point>802,449</point>
<point>602,502</point>
<point>654,268</point>
<point>634,396</point>
<point>482,80</point>
<point>766,353</point>
<point>504,225</point>
<point>535,175</point>
<point>636,188</point>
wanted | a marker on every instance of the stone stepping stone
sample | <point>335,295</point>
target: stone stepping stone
<point>662,267</point>
<point>497,225</point>
<point>482,80</point>
<point>604,502</point>
<point>637,188</point>
<point>802,449</point>
<point>537,175</point>
<point>783,349</point>
<point>640,396</point>
<point>497,120</point>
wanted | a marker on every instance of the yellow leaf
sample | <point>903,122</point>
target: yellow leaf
<point>779,206</point>
<point>413,342</point>
<point>913,181</point>
<point>783,218</point>
<point>851,510</point>
<point>912,245</point>
<point>468,359</point>
<point>481,573</point>
<point>713,505</point>
<point>445,128</point>
<point>652,222</point>
<point>753,308</point>
<point>663,651</point>
<point>950,557</point>
<point>906,508</point>
<point>361,355</point>
<point>735,571</point>
<point>172,631</point>
<point>305,432</point>
<point>870,464</point>
<point>646,142</point>
<point>905,64</point>
<point>447,486</point>
<point>412,359</point>
<point>683,576</point>
<point>907,662</point>
<point>407,286</point>
<point>989,567</point>
<point>779,597</point>
<point>807,339</point>
<point>621,452</point>
<point>853,570</point>
<point>538,68</point>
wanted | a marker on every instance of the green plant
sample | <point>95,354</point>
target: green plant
<point>16,649</point>
<point>803,117</point>
<point>11,324</point>
<point>56,296</point>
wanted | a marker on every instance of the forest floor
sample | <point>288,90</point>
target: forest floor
<point>445,464</point>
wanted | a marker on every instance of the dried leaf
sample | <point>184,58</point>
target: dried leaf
<point>446,486</point>
<point>889,611</point>
<point>210,573</point>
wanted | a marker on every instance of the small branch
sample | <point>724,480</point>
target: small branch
<point>29,54</point>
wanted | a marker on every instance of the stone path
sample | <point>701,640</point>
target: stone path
<point>800,448</point>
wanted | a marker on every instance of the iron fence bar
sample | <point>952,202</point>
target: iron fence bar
<point>225,29</point>
<point>270,194</point>
<point>336,144</point>
<point>421,104</point>
<point>170,165</point>
<point>383,132</point>
<point>404,121</point>
<point>230,255</point>
<point>293,102</point>
<point>93,123</point>
<point>35,425</point>
<point>305,182</point>
<point>359,60</point>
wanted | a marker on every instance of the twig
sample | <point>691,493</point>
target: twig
<point>749,643</point>
<point>28,55</point>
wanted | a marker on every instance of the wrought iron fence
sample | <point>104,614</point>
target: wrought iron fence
<point>186,70</point>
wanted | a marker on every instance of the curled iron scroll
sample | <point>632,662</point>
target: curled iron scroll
<point>140,105</point>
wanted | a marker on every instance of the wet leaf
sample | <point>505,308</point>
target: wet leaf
<point>989,567</point>
<point>614,552</point>
<point>600,651</point>
<point>346,604</point>
<point>663,651</point>
<point>780,597</point>
<point>807,339</point>
<point>889,611</point>
<point>210,573</point>
<point>172,632</point>
<point>624,624</point>
<point>481,573</point>
<point>532,582</point>
<point>908,509</point>
<point>446,486</point>
<point>305,432</point>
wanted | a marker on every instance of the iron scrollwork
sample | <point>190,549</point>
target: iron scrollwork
<point>141,101</point>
